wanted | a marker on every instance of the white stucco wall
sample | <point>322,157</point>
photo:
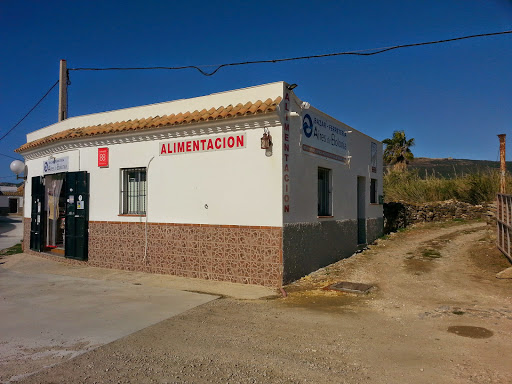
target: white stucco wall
<point>240,186</point>
<point>304,166</point>
<point>244,95</point>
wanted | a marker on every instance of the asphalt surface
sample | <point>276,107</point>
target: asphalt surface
<point>51,311</point>
<point>48,317</point>
<point>11,231</point>
<point>66,316</point>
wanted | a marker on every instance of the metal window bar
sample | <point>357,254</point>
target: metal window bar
<point>133,191</point>
<point>324,192</point>
<point>504,223</point>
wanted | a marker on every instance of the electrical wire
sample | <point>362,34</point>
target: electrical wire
<point>2,154</point>
<point>28,113</point>
<point>364,52</point>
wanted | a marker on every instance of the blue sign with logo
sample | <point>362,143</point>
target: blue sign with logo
<point>307,125</point>
<point>56,165</point>
<point>324,137</point>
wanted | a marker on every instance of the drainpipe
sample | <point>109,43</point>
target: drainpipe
<point>147,212</point>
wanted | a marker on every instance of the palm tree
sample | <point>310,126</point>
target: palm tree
<point>398,150</point>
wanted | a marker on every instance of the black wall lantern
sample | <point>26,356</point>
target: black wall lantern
<point>266,142</point>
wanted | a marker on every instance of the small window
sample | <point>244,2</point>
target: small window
<point>373,191</point>
<point>133,191</point>
<point>324,192</point>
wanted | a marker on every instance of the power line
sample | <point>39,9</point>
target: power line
<point>28,113</point>
<point>364,52</point>
<point>2,154</point>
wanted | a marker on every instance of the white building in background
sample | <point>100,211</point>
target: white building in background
<point>11,199</point>
<point>185,188</point>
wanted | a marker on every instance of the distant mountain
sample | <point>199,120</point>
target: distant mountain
<point>449,167</point>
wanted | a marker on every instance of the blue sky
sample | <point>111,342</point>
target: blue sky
<point>452,98</point>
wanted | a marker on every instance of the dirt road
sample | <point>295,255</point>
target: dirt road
<point>437,315</point>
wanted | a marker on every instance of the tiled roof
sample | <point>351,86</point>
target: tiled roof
<point>230,111</point>
<point>18,192</point>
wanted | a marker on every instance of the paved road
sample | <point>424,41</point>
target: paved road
<point>11,231</point>
<point>48,318</point>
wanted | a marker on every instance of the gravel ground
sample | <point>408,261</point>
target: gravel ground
<point>428,280</point>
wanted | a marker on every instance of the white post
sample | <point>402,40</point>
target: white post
<point>63,91</point>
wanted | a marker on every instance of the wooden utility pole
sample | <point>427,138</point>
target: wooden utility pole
<point>63,91</point>
<point>503,165</point>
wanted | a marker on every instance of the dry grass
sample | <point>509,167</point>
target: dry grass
<point>475,188</point>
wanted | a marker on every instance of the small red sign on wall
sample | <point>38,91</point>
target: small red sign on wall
<point>102,157</point>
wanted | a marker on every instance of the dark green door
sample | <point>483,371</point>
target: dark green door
<point>77,215</point>
<point>38,218</point>
<point>361,210</point>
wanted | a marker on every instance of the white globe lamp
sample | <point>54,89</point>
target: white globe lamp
<point>17,167</point>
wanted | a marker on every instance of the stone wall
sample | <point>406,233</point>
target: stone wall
<point>400,214</point>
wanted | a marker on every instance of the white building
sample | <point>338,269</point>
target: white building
<point>184,188</point>
<point>11,199</point>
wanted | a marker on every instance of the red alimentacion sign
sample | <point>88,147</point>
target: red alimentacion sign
<point>207,144</point>
<point>286,154</point>
<point>102,157</point>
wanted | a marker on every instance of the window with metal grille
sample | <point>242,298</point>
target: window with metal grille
<point>324,192</point>
<point>133,191</point>
<point>373,191</point>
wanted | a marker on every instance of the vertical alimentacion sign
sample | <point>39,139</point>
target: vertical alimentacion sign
<point>286,153</point>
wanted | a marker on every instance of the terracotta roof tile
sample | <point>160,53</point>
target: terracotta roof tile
<point>213,113</point>
<point>225,111</point>
<point>255,107</point>
<point>234,111</point>
<point>216,114</point>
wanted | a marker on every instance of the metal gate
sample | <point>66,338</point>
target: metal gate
<point>38,218</point>
<point>504,223</point>
<point>77,215</point>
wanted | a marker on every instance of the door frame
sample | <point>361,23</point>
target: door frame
<point>77,214</point>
